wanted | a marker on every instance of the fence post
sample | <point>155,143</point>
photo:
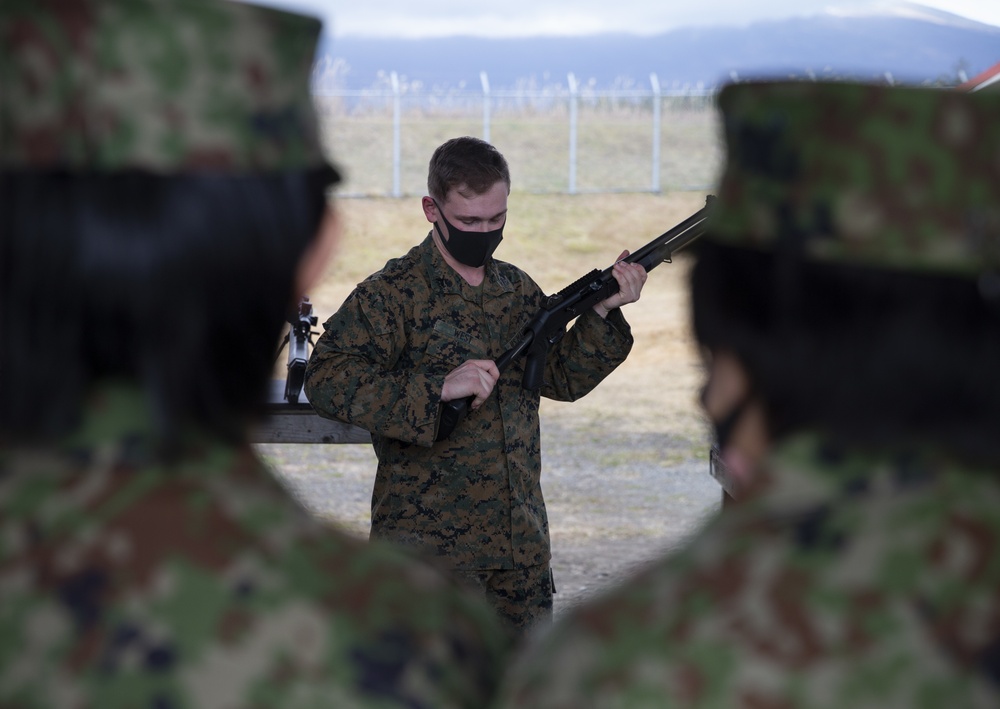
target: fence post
<point>396,118</point>
<point>574,101</point>
<point>657,105</point>
<point>485,81</point>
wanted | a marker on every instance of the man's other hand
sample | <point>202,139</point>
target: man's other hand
<point>475,377</point>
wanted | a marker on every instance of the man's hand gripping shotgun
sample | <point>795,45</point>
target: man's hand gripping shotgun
<point>549,323</point>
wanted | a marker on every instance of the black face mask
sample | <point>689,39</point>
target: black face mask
<point>471,248</point>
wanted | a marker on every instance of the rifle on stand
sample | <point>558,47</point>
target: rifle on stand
<point>289,417</point>
<point>299,339</point>
<point>549,323</point>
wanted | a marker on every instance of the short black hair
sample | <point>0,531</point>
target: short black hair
<point>872,357</point>
<point>180,283</point>
<point>465,161</point>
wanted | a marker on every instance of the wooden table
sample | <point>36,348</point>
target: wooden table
<point>299,423</point>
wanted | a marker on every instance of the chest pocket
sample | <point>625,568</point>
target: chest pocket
<point>447,347</point>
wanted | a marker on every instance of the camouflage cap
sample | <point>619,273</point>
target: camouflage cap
<point>164,85</point>
<point>891,177</point>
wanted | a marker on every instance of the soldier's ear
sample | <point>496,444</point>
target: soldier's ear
<point>317,255</point>
<point>430,209</point>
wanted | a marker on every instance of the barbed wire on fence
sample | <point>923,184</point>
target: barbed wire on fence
<point>622,138</point>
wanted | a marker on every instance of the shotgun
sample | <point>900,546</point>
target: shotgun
<point>549,323</point>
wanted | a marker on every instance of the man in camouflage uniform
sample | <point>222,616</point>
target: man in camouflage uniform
<point>147,557</point>
<point>860,566</point>
<point>426,329</point>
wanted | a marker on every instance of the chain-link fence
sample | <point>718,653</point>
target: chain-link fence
<point>558,139</point>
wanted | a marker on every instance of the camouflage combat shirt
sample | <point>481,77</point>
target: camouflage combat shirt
<point>474,499</point>
<point>127,581</point>
<point>844,580</point>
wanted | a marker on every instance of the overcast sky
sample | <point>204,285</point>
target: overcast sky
<point>513,18</point>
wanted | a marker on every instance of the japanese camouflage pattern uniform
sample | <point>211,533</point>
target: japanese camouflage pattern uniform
<point>472,500</point>
<point>128,579</point>
<point>842,579</point>
<point>854,581</point>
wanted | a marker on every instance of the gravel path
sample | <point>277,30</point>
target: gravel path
<point>616,503</point>
<point>613,503</point>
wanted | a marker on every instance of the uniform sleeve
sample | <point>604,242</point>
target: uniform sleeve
<point>590,350</point>
<point>351,376</point>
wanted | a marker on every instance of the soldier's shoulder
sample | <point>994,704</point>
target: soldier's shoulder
<point>516,276</point>
<point>509,270</point>
<point>398,276</point>
<point>386,600</point>
<point>402,267</point>
<point>308,595</point>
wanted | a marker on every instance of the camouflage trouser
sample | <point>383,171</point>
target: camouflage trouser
<point>522,597</point>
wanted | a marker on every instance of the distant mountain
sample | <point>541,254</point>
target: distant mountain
<point>911,43</point>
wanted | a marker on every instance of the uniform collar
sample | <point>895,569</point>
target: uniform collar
<point>494,285</point>
<point>113,410</point>
<point>119,416</point>
<point>809,470</point>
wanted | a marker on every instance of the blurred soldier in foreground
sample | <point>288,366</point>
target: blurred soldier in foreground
<point>162,205</point>
<point>847,293</point>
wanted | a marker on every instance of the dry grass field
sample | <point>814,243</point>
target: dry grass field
<point>614,146</point>
<point>625,469</point>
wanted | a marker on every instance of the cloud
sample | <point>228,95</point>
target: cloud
<point>560,17</point>
<point>521,18</point>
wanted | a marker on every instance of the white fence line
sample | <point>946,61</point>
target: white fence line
<point>553,95</point>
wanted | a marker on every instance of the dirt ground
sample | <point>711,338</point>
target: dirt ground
<point>624,470</point>
<point>612,504</point>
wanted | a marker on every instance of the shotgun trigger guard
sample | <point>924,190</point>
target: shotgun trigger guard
<point>556,336</point>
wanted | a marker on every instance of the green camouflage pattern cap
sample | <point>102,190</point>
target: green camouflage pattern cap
<point>162,85</point>
<point>890,177</point>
